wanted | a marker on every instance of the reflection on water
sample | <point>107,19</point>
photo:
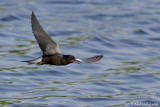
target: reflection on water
<point>126,32</point>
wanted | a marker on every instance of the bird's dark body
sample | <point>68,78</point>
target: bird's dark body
<point>57,59</point>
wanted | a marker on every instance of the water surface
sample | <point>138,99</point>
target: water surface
<point>126,32</point>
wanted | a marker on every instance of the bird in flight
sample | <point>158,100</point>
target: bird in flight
<point>50,49</point>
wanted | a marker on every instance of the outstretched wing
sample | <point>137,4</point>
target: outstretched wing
<point>47,45</point>
<point>93,59</point>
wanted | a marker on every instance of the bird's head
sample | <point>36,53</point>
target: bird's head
<point>71,59</point>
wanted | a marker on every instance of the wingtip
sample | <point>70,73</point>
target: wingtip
<point>32,12</point>
<point>34,20</point>
<point>102,56</point>
<point>33,15</point>
<point>93,59</point>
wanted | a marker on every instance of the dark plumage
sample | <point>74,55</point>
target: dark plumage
<point>59,59</point>
<point>50,49</point>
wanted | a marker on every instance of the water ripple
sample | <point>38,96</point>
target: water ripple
<point>125,32</point>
